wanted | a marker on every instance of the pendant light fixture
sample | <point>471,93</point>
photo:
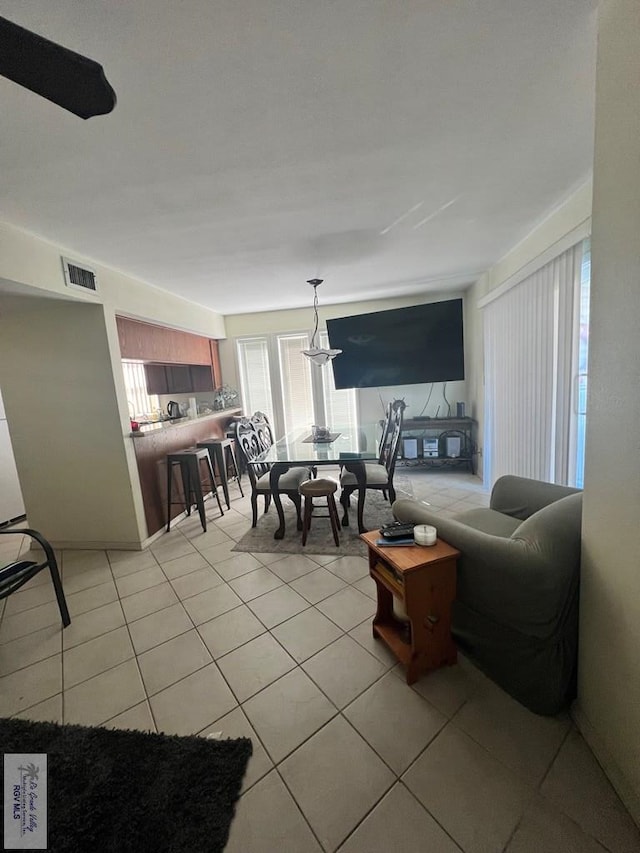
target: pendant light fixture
<point>317,354</point>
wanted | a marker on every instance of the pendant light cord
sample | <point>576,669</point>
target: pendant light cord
<point>315,310</point>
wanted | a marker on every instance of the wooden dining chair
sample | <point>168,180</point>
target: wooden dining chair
<point>254,437</point>
<point>384,438</point>
<point>379,475</point>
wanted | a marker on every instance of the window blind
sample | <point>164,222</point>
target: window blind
<point>135,382</point>
<point>276,378</point>
<point>255,383</point>
<point>530,333</point>
<point>340,406</point>
<point>295,380</point>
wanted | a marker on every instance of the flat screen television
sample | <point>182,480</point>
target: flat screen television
<point>404,346</point>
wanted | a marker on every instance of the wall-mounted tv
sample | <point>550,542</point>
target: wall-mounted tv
<point>405,346</point>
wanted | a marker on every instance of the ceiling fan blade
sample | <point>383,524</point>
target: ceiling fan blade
<point>68,79</point>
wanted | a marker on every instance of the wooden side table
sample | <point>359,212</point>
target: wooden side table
<point>423,579</point>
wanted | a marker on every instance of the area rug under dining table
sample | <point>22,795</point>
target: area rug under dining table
<point>377,511</point>
<point>112,790</point>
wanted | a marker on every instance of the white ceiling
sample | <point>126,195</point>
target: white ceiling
<point>386,146</point>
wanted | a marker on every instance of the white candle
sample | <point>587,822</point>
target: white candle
<point>425,534</point>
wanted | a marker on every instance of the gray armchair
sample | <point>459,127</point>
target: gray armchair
<point>516,610</point>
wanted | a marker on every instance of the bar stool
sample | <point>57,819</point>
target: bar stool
<point>320,488</point>
<point>189,461</point>
<point>222,453</point>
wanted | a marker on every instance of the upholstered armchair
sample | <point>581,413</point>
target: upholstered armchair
<point>516,610</point>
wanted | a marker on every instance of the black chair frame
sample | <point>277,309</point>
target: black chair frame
<point>389,447</point>
<point>254,437</point>
<point>18,573</point>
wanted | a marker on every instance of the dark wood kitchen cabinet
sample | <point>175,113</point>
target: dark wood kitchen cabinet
<point>176,362</point>
<point>215,364</point>
<point>156,376</point>
<point>201,376</point>
<point>146,342</point>
<point>178,378</point>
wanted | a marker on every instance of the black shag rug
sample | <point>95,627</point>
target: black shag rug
<point>111,790</point>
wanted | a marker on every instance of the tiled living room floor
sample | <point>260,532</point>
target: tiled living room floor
<point>190,637</point>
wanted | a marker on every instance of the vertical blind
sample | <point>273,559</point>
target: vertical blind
<point>340,406</point>
<point>529,334</point>
<point>295,380</point>
<point>255,382</point>
<point>135,382</point>
<point>276,378</point>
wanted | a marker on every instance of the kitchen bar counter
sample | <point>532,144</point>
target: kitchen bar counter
<point>151,428</point>
<point>151,455</point>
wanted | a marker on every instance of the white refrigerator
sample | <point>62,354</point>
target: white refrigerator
<point>11,504</point>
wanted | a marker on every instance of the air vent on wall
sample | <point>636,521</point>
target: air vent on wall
<point>81,277</point>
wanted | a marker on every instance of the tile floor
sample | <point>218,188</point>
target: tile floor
<point>191,637</point>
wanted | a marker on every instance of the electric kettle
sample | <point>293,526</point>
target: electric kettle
<point>173,409</point>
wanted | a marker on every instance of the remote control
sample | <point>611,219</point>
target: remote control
<point>393,525</point>
<point>398,531</point>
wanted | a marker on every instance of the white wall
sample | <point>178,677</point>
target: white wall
<point>301,319</point>
<point>60,396</point>
<point>29,260</point>
<point>542,239</point>
<point>11,501</point>
<point>608,706</point>
<point>31,267</point>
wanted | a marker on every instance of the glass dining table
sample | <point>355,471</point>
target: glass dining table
<point>346,446</point>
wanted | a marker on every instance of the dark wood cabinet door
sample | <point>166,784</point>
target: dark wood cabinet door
<point>178,379</point>
<point>136,339</point>
<point>156,379</point>
<point>215,364</point>
<point>201,377</point>
<point>194,349</point>
<point>148,342</point>
<point>123,327</point>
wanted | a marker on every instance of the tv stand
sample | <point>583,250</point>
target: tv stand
<point>440,429</point>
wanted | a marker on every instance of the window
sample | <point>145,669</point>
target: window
<point>531,334</point>
<point>295,382</point>
<point>255,381</point>
<point>340,406</point>
<point>580,408</point>
<point>277,379</point>
<point>135,382</point>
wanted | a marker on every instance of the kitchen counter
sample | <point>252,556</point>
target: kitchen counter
<point>161,426</point>
<point>151,456</point>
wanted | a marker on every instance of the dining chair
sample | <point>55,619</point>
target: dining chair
<point>254,437</point>
<point>16,574</point>
<point>263,430</point>
<point>386,425</point>
<point>378,475</point>
<point>384,438</point>
<point>266,438</point>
